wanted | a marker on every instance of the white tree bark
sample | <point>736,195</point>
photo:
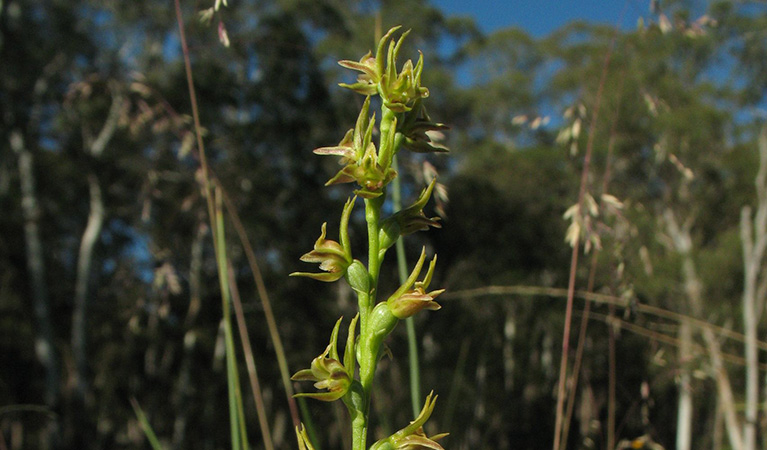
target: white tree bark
<point>88,241</point>
<point>44,340</point>
<point>685,400</point>
<point>753,233</point>
<point>692,287</point>
<point>84,263</point>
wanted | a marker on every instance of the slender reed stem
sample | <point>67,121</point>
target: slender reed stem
<point>145,426</point>
<point>611,404</point>
<point>586,310</point>
<point>215,214</point>
<point>579,354</point>
<point>263,295</point>
<point>415,373</point>
<point>412,339</point>
<point>195,113</point>
<point>576,251</point>
<point>232,376</point>
<point>565,345</point>
<point>603,299</point>
<point>611,380</point>
<point>249,359</point>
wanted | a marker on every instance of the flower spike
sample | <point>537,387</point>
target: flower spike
<point>403,123</point>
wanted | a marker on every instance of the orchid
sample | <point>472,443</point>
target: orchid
<point>403,123</point>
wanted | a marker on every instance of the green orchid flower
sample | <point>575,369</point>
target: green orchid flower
<point>408,220</point>
<point>412,297</point>
<point>327,371</point>
<point>360,158</point>
<point>334,258</point>
<point>412,437</point>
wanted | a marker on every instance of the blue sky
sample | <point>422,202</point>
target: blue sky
<point>541,17</point>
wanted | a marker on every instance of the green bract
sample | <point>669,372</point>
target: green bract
<point>303,439</point>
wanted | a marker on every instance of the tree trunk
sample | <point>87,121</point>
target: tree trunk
<point>684,410</point>
<point>750,273</point>
<point>44,345</point>
<point>45,349</point>
<point>84,264</point>
<point>88,241</point>
<point>692,287</point>
<point>509,338</point>
<point>754,238</point>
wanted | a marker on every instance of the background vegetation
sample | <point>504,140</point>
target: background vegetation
<point>108,282</point>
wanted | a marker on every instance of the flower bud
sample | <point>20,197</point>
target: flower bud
<point>358,277</point>
<point>390,232</point>
<point>381,322</point>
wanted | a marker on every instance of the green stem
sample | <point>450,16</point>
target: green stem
<point>361,411</point>
<point>371,336</point>
<point>359,431</point>
<point>372,216</point>
<point>364,304</point>
<point>235,421</point>
<point>145,425</point>
<point>367,359</point>
<point>415,374</point>
<point>370,345</point>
